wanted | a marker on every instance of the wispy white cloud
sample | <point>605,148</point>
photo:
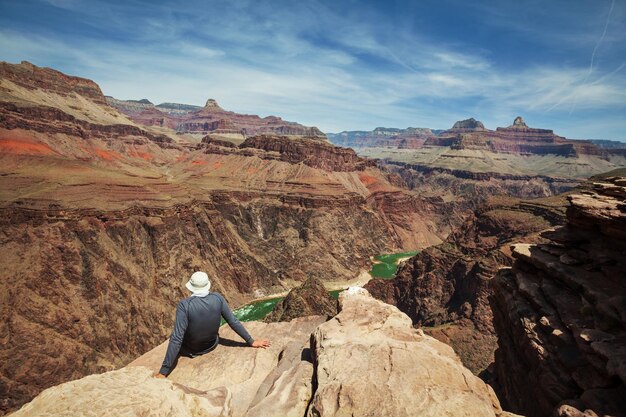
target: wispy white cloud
<point>312,64</point>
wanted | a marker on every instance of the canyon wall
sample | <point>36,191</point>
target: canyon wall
<point>469,149</point>
<point>445,288</point>
<point>560,312</point>
<point>410,138</point>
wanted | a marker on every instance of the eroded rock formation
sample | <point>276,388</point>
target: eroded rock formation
<point>310,151</point>
<point>208,119</point>
<point>560,313</point>
<point>366,361</point>
<point>518,138</point>
<point>468,125</point>
<point>308,299</point>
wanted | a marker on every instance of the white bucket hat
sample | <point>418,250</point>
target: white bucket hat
<point>199,282</point>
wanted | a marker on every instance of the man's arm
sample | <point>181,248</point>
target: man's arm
<point>176,340</point>
<point>239,329</point>
<point>234,323</point>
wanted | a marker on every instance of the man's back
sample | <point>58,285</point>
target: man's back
<point>197,325</point>
<point>204,316</point>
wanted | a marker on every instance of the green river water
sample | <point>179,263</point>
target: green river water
<point>386,267</point>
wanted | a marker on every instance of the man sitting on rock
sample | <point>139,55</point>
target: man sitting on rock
<point>197,324</point>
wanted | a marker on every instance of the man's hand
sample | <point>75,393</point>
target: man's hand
<point>159,375</point>
<point>261,344</point>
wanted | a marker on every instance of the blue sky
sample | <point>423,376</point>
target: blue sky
<point>345,65</point>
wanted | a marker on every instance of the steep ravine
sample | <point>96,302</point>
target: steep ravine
<point>445,288</point>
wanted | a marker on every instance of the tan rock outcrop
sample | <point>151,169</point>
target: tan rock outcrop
<point>371,362</point>
<point>367,361</point>
<point>226,382</point>
<point>128,392</point>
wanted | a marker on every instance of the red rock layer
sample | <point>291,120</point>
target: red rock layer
<point>310,151</point>
<point>517,138</point>
<point>560,313</point>
<point>50,120</point>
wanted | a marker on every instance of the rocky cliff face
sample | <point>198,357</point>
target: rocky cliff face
<point>309,299</point>
<point>368,360</point>
<point>32,77</point>
<point>311,151</point>
<point>560,312</point>
<point>446,287</point>
<point>103,220</point>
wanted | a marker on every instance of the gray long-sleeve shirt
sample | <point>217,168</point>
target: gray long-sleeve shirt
<point>197,325</point>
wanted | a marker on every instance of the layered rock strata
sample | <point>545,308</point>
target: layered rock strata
<point>310,151</point>
<point>368,360</point>
<point>560,313</point>
<point>518,138</point>
<point>187,119</point>
<point>32,77</point>
<point>308,299</point>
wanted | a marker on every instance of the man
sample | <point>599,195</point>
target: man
<point>198,322</point>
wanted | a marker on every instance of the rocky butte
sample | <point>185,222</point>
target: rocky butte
<point>195,121</point>
<point>309,299</point>
<point>471,151</point>
<point>368,360</point>
<point>98,211</point>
